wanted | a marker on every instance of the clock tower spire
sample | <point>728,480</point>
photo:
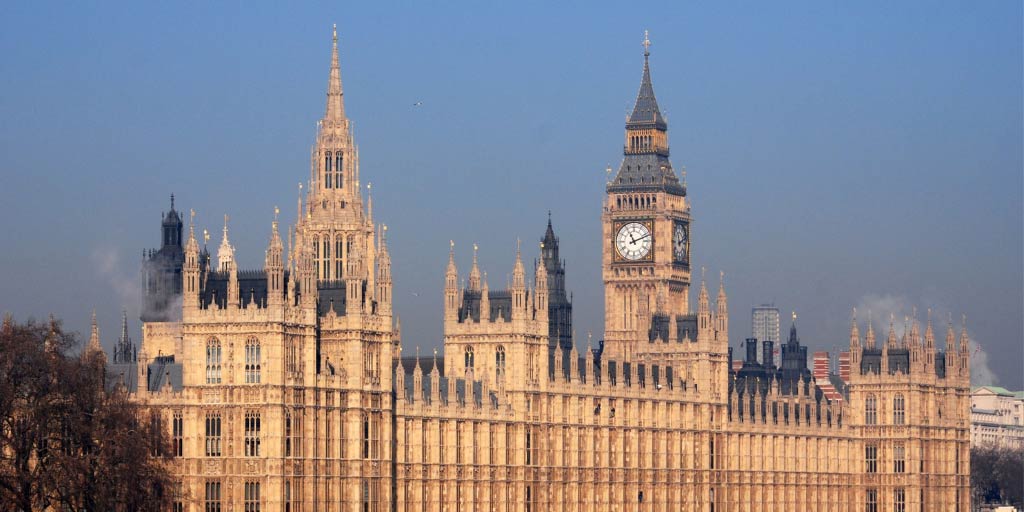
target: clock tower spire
<point>646,224</point>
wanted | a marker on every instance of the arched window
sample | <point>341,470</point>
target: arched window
<point>327,257</point>
<point>898,408</point>
<point>338,274</point>
<point>469,357</point>
<point>871,410</point>
<point>327,170</point>
<point>339,160</point>
<point>366,437</point>
<point>252,360</point>
<point>316,258</point>
<point>499,359</point>
<point>213,361</point>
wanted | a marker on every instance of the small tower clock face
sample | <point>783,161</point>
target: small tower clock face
<point>680,239</point>
<point>633,241</point>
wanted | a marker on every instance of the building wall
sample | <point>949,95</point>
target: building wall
<point>997,418</point>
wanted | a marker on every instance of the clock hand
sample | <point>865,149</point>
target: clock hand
<point>641,238</point>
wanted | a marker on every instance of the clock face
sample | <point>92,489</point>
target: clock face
<point>680,243</point>
<point>633,241</point>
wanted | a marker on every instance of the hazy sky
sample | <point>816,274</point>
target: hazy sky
<point>838,154</point>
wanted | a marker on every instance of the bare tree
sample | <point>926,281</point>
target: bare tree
<point>68,439</point>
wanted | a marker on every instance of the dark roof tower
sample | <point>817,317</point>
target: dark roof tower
<point>645,166</point>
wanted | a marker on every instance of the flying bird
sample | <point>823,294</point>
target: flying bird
<point>418,104</point>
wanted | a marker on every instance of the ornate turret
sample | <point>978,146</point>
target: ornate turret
<point>451,287</point>
<point>94,336</point>
<point>703,312</point>
<point>541,289</point>
<point>474,273</point>
<point>273,265</point>
<point>124,350</point>
<point>190,268</point>
<point>226,252</point>
<point>722,313</point>
<point>518,287</point>
<point>384,274</point>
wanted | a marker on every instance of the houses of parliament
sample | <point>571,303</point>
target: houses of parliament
<point>287,388</point>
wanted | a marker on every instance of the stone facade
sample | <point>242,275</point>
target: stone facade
<point>284,389</point>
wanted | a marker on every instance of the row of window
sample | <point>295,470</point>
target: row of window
<point>333,173</point>
<point>214,353</point>
<point>469,360</point>
<point>899,500</point>
<point>213,439</point>
<point>898,410</point>
<point>899,458</point>
<point>322,255</point>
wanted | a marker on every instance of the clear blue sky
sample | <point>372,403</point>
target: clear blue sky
<point>838,154</point>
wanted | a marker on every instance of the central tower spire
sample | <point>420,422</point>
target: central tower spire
<point>645,165</point>
<point>335,95</point>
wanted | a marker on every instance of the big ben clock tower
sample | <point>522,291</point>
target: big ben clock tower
<point>646,224</point>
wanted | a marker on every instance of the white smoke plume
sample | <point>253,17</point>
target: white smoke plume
<point>122,279</point>
<point>883,307</point>
<point>981,374</point>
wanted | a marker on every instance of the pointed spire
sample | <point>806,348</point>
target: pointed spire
<point>890,341</point>
<point>963,334</point>
<point>950,336</point>
<point>646,111</point>
<point>929,334</point>
<point>335,96</point>
<point>854,331</point>
<point>226,253</point>
<point>124,325</point>
<point>94,336</point>
<point>474,273</point>
<point>870,338</point>
<point>702,297</point>
<point>722,301</point>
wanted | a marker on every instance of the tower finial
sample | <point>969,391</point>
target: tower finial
<point>647,44</point>
<point>172,201</point>
<point>335,30</point>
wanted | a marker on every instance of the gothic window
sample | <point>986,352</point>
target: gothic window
<point>872,500</point>
<point>213,361</point>
<point>529,446</point>
<point>900,500</point>
<point>871,458</point>
<point>469,357</point>
<point>899,458</point>
<point>327,257</point>
<point>287,434</point>
<point>337,257</point>
<point>213,435</point>
<point>212,500</point>
<point>288,495</point>
<point>316,259</point>
<point>365,495</point>
<point>898,406</point>
<point>252,434</point>
<point>177,431</point>
<point>871,410</point>
<point>499,359</point>
<point>366,437</point>
<point>338,167</point>
<point>327,170</point>
<point>252,360</point>
<point>252,497</point>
